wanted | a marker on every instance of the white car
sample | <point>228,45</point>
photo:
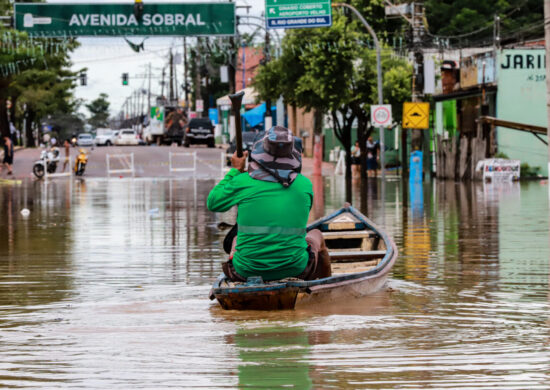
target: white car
<point>127,137</point>
<point>106,138</point>
<point>85,139</point>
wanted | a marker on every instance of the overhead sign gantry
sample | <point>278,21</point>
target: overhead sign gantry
<point>168,19</point>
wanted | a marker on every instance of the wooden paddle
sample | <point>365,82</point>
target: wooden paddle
<point>236,102</point>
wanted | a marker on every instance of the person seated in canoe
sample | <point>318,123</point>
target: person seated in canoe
<point>273,200</point>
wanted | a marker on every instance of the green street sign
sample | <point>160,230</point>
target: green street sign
<point>169,19</point>
<point>298,13</point>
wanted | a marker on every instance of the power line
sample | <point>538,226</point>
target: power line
<point>464,35</point>
<point>120,57</point>
<point>457,36</point>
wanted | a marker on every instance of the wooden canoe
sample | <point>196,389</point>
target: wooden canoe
<point>361,253</point>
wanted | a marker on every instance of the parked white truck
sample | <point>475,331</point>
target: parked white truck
<point>166,125</point>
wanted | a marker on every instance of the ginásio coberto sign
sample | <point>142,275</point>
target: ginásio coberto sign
<point>172,19</point>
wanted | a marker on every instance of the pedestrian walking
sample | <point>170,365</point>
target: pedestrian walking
<point>8,154</point>
<point>372,157</point>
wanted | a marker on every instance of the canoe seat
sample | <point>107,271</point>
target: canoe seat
<point>349,234</point>
<point>228,283</point>
<point>346,256</point>
<point>353,241</point>
<point>354,267</point>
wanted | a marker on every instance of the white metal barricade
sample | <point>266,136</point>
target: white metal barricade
<point>126,162</point>
<point>192,168</point>
<point>341,164</point>
<point>224,168</point>
<point>210,162</point>
<point>60,163</point>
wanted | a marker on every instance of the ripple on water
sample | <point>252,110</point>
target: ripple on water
<point>97,293</point>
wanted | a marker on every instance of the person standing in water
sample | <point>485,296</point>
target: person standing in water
<point>67,145</point>
<point>8,154</point>
<point>372,157</point>
<point>356,159</point>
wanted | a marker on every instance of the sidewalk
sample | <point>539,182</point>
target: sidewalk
<point>15,149</point>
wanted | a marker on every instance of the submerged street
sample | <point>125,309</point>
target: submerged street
<point>105,285</point>
<point>272,194</point>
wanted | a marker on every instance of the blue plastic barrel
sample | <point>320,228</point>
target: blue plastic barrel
<point>415,168</point>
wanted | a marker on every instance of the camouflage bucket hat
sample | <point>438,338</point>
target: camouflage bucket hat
<point>277,157</point>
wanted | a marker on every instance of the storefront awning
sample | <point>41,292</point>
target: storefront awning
<point>250,97</point>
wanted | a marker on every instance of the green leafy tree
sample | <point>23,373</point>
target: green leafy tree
<point>41,92</point>
<point>332,70</point>
<point>65,124</point>
<point>12,58</point>
<point>99,109</point>
<point>35,77</point>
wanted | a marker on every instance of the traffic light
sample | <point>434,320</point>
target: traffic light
<point>419,71</point>
<point>83,79</point>
<point>124,78</point>
<point>138,9</point>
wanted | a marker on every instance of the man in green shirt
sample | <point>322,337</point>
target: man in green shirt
<point>273,200</point>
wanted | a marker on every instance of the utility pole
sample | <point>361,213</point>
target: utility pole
<point>136,97</point>
<point>149,91</point>
<point>162,84</point>
<point>185,84</point>
<point>141,101</point>
<point>171,78</point>
<point>547,37</point>
<point>268,118</point>
<point>416,10</point>
<point>130,108</point>
<point>198,78</point>
<point>486,128</point>
<point>231,69</point>
<point>136,104</point>
<point>177,92</point>
<point>417,14</point>
<point>244,63</point>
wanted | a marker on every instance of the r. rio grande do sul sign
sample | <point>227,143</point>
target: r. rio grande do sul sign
<point>171,19</point>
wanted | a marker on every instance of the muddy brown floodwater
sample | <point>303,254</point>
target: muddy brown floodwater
<point>105,285</point>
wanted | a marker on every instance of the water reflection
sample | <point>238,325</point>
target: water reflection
<point>33,264</point>
<point>273,357</point>
<point>105,285</point>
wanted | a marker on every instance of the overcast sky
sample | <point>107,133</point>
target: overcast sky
<point>107,58</point>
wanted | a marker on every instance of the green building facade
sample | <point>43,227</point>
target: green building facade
<point>521,97</point>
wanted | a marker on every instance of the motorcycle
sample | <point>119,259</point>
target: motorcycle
<point>73,141</point>
<point>48,159</point>
<point>80,162</point>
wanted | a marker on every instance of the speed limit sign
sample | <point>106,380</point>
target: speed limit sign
<point>380,115</point>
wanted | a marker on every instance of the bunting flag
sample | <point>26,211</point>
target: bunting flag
<point>135,47</point>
